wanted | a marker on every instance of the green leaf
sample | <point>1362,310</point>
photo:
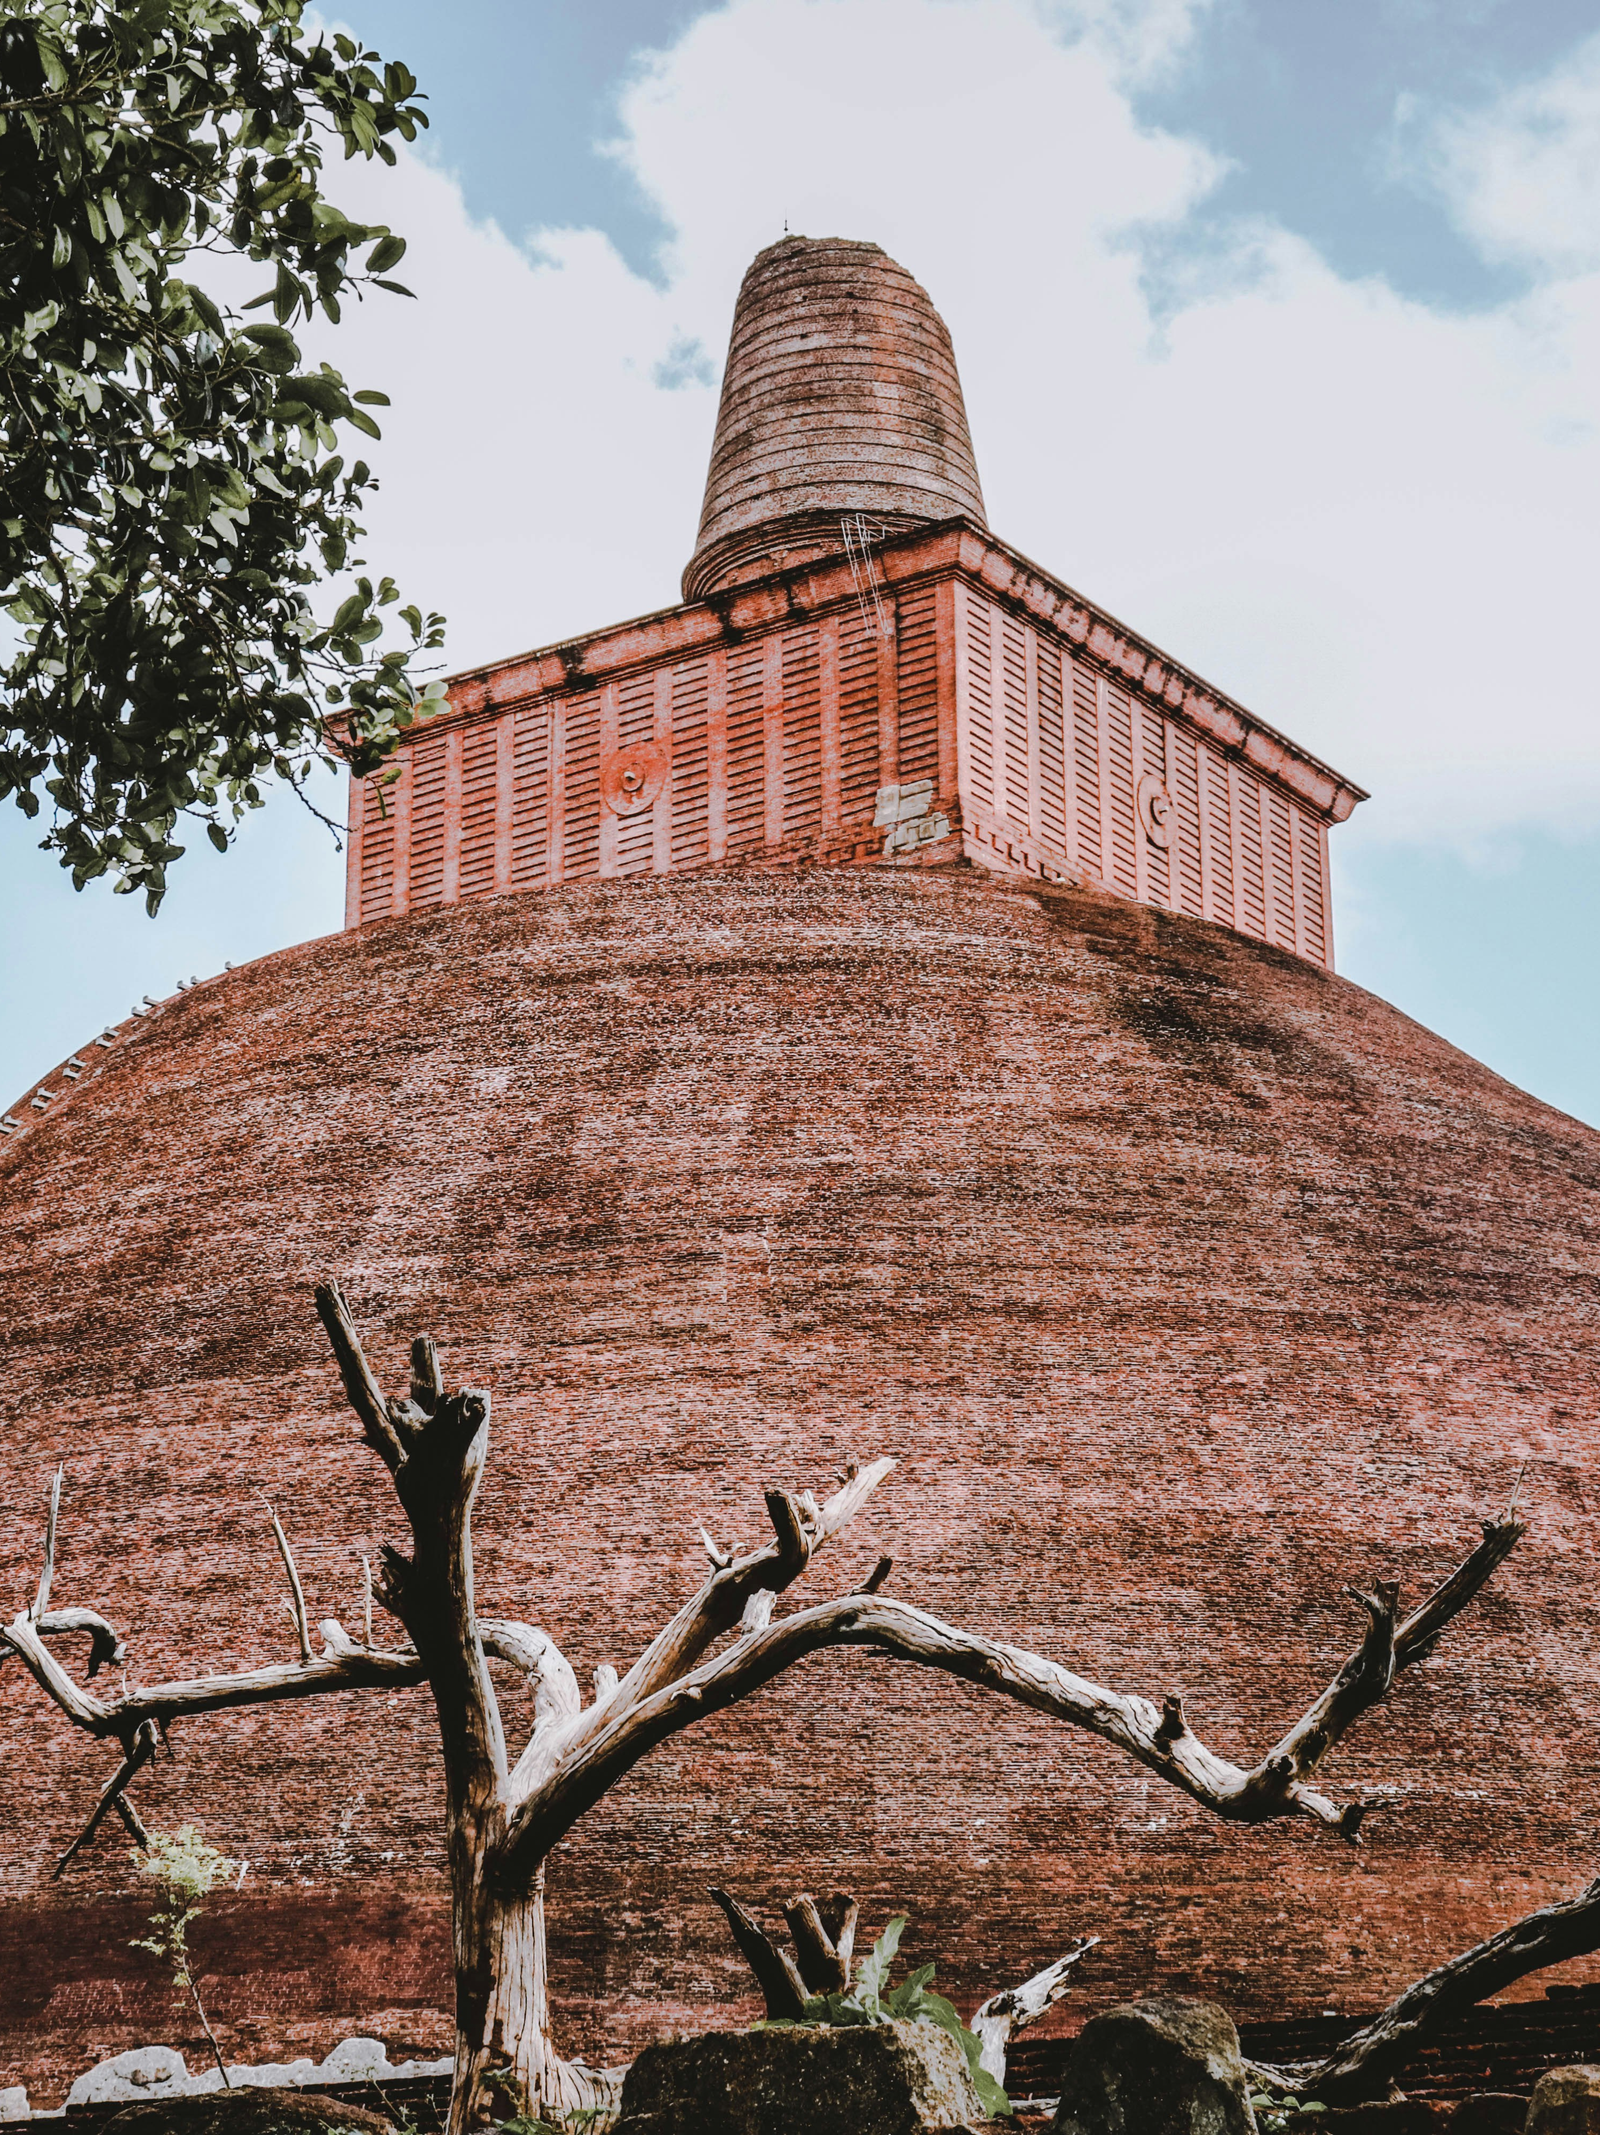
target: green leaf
<point>274,340</point>
<point>398,289</point>
<point>324,394</point>
<point>388,252</point>
<point>873,1974</point>
<point>370,399</point>
<point>207,310</point>
<point>187,451</point>
<point>906,2000</point>
<point>285,295</point>
<point>936,2010</point>
<point>50,57</point>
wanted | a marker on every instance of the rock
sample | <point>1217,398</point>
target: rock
<point>247,2112</point>
<point>1489,2113</point>
<point>811,2079</point>
<point>264,2075</point>
<point>158,2072</point>
<point>1566,2101</point>
<point>356,2061</point>
<point>1157,2067</point>
<point>144,2072</point>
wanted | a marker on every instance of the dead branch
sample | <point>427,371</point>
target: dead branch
<point>800,1527</point>
<point>998,2020</point>
<point>104,1645</point>
<point>824,1967</point>
<point>1384,1652</point>
<point>141,1748</point>
<point>824,1940</point>
<point>297,1608</point>
<point>47,1571</point>
<point>1368,2060</point>
<point>609,1743</point>
<point>434,1445</point>
<point>840,1914</point>
<point>775,1970</point>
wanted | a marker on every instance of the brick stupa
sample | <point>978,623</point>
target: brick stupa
<point>880,1004</point>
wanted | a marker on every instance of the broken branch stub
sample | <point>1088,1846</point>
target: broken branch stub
<point>997,2021</point>
<point>823,1967</point>
<point>782,1988</point>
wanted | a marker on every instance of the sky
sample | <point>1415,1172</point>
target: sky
<point>1279,328</point>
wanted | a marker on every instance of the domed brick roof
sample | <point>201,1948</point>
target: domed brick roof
<point>840,398</point>
<point>1187,1282</point>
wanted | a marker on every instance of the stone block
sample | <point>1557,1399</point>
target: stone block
<point>1156,2067</point>
<point>143,2072</point>
<point>889,2079</point>
<point>1566,2101</point>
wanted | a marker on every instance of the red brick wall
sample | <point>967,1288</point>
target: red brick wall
<point>1187,1282</point>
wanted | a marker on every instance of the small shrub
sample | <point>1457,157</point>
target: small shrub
<point>872,2001</point>
<point>185,1870</point>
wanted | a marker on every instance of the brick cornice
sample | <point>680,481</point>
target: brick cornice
<point>958,546</point>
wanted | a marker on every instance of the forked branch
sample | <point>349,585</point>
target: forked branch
<point>1160,1738</point>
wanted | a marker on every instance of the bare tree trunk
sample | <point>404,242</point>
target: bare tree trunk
<point>504,2060</point>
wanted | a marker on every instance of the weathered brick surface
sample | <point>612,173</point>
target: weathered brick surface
<point>1187,1282</point>
<point>839,397</point>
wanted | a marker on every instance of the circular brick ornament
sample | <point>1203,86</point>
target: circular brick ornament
<point>631,779</point>
<point>1154,802</point>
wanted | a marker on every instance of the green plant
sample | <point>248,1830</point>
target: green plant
<point>172,480</point>
<point>872,2001</point>
<point>1274,2114</point>
<point>185,1870</point>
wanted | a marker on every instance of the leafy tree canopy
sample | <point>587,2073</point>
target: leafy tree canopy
<point>173,476</point>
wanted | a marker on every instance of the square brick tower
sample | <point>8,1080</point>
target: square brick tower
<point>860,674</point>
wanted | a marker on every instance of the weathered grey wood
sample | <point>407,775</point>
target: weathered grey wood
<point>821,1966</point>
<point>47,1570</point>
<point>297,1606</point>
<point>997,2021</point>
<point>840,1913</point>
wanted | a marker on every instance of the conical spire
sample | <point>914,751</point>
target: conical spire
<point>840,397</point>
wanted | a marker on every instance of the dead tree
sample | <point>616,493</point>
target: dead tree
<point>1369,2060</point>
<point>505,1814</point>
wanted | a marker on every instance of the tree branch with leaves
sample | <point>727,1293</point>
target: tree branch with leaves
<point>174,483</point>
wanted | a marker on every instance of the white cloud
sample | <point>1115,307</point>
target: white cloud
<point>1522,175</point>
<point>1370,521</point>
